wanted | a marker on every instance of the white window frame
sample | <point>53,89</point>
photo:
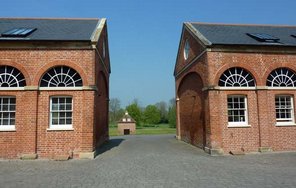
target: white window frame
<point>285,121</point>
<point>186,49</point>
<point>7,127</point>
<point>60,126</point>
<point>238,123</point>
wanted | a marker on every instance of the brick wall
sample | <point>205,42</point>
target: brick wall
<point>86,107</point>
<point>209,66</point>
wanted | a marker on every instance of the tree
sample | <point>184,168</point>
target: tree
<point>135,112</point>
<point>172,113</point>
<point>163,108</point>
<point>115,110</point>
<point>152,115</point>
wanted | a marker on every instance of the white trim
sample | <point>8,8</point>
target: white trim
<point>235,88</point>
<point>237,125</point>
<point>285,124</point>
<point>8,128</point>
<point>59,88</point>
<point>281,88</point>
<point>12,88</point>
<point>61,128</point>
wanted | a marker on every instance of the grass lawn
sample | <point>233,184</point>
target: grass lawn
<point>156,129</point>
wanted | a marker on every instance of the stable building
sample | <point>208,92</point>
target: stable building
<point>54,87</point>
<point>126,125</point>
<point>236,87</point>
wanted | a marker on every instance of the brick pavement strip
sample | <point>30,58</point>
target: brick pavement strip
<point>153,161</point>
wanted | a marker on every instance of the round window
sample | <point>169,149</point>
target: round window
<point>186,49</point>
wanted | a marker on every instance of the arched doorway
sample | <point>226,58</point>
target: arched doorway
<point>191,110</point>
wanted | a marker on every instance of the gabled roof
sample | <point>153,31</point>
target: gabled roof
<point>231,34</point>
<point>52,29</point>
<point>126,119</point>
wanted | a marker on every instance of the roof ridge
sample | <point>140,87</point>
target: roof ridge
<point>237,24</point>
<point>45,18</point>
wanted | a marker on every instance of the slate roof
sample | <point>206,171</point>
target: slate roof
<point>51,29</point>
<point>227,34</point>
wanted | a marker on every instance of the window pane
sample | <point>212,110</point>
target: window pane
<point>55,121</point>
<point>68,106</point>
<point>68,121</point>
<point>12,107</point>
<point>12,100</point>
<point>55,115</point>
<point>55,107</point>
<point>69,100</point>
<point>12,121</point>
<point>5,107</point>
<point>54,100</point>
<point>62,114</point>
<point>6,115</point>
<point>5,100</point>
<point>62,107</point>
<point>62,100</point>
<point>5,121</point>
<point>62,121</point>
<point>69,114</point>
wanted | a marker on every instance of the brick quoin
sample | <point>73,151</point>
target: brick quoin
<point>207,120</point>
<point>90,104</point>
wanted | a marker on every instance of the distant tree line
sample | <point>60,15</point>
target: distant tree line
<point>151,115</point>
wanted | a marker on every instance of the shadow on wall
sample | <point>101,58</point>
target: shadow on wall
<point>108,145</point>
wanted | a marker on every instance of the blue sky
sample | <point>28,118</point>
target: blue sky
<point>144,34</point>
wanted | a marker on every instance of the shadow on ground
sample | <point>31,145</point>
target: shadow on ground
<point>108,145</point>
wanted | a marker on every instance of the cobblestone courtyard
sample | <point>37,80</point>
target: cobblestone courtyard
<point>153,161</point>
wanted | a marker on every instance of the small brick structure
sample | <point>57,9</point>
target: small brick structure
<point>126,125</point>
<point>235,87</point>
<point>54,87</point>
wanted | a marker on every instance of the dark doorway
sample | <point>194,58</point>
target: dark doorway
<point>126,131</point>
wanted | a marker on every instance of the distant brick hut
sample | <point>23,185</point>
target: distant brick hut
<point>126,125</point>
<point>54,87</point>
<point>236,87</point>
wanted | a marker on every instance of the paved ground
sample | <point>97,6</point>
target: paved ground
<point>153,161</point>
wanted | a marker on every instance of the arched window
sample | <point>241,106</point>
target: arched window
<point>61,76</point>
<point>11,77</point>
<point>236,77</point>
<point>281,77</point>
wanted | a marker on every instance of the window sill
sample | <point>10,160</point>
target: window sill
<point>286,125</point>
<point>60,129</point>
<point>7,129</point>
<point>238,126</point>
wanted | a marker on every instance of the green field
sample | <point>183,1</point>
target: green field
<point>155,129</point>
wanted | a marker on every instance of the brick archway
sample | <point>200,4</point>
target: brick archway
<point>191,110</point>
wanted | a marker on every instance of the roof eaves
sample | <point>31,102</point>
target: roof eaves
<point>202,38</point>
<point>97,32</point>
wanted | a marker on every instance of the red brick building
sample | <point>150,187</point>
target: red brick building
<point>236,87</point>
<point>54,83</point>
<point>126,125</point>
